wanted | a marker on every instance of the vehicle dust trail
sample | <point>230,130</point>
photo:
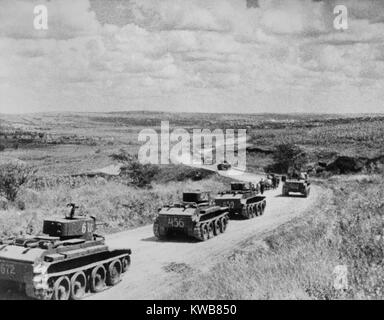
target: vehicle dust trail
<point>148,277</point>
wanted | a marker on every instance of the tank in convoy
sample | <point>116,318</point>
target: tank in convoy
<point>296,182</point>
<point>243,200</point>
<point>64,262</point>
<point>195,216</point>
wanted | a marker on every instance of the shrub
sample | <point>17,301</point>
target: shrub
<point>12,177</point>
<point>20,204</point>
<point>287,156</point>
<point>141,175</point>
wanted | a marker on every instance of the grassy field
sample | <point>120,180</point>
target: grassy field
<point>298,260</point>
<point>66,143</point>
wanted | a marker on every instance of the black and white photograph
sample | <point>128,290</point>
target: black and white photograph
<point>191,154</point>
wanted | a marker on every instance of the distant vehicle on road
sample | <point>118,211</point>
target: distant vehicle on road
<point>224,166</point>
<point>297,183</point>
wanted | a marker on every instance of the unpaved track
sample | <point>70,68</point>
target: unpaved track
<point>147,278</point>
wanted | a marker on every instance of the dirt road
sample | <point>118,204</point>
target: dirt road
<point>152,274</point>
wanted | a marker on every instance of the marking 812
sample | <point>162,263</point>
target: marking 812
<point>7,269</point>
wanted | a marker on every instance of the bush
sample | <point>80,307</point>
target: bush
<point>3,203</point>
<point>287,156</point>
<point>20,204</point>
<point>12,177</point>
<point>2,147</point>
<point>141,175</point>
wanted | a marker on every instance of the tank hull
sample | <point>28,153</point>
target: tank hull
<point>241,205</point>
<point>204,228</point>
<point>37,270</point>
<point>295,186</point>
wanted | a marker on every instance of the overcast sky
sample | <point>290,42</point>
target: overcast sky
<point>192,55</point>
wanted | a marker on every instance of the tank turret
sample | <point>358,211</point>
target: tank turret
<point>71,226</point>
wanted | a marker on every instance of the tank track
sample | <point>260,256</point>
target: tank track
<point>75,283</point>
<point>157,230</point>
<point>252,210</point>
<point>205,230</point>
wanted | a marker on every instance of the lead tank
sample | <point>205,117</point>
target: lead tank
<point>64,262</point>
<point>243,200</point>
<point>196,216</point>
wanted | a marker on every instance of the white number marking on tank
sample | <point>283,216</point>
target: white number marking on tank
<point>8,269</point>
<point>176,223</point>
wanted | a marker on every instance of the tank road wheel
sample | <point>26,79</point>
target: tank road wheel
<point>61,289</point>
<point>252,212</point>
<point>204,232</point>
<point>243,212</point>
<point>157,231</point>
<point>114,272</point>
<point>255,212</point>
<point>223,225</point>
<point>198,232</point>
<point>211,233</point>
<point>246,212</point>
<point>78,285</point>
<point>216,227</point>
<point>97,279</point>
<point>263,205</point>
<point>125,263</point>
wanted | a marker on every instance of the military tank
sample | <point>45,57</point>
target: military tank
<point>196,216</point>
<point>296,183</point>
<point>243,200</point>
<point>64,262</point>
<point>224,166</point>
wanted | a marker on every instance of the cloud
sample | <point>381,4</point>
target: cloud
<point>218,55</point>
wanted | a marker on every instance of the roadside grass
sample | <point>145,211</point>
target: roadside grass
<point>118,206</point>
<point>298,259</point>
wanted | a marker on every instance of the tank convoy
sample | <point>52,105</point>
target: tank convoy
<point>298,183</point>
<point>196,216</point>
<point>64,262</point>
<point>243,200</point>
